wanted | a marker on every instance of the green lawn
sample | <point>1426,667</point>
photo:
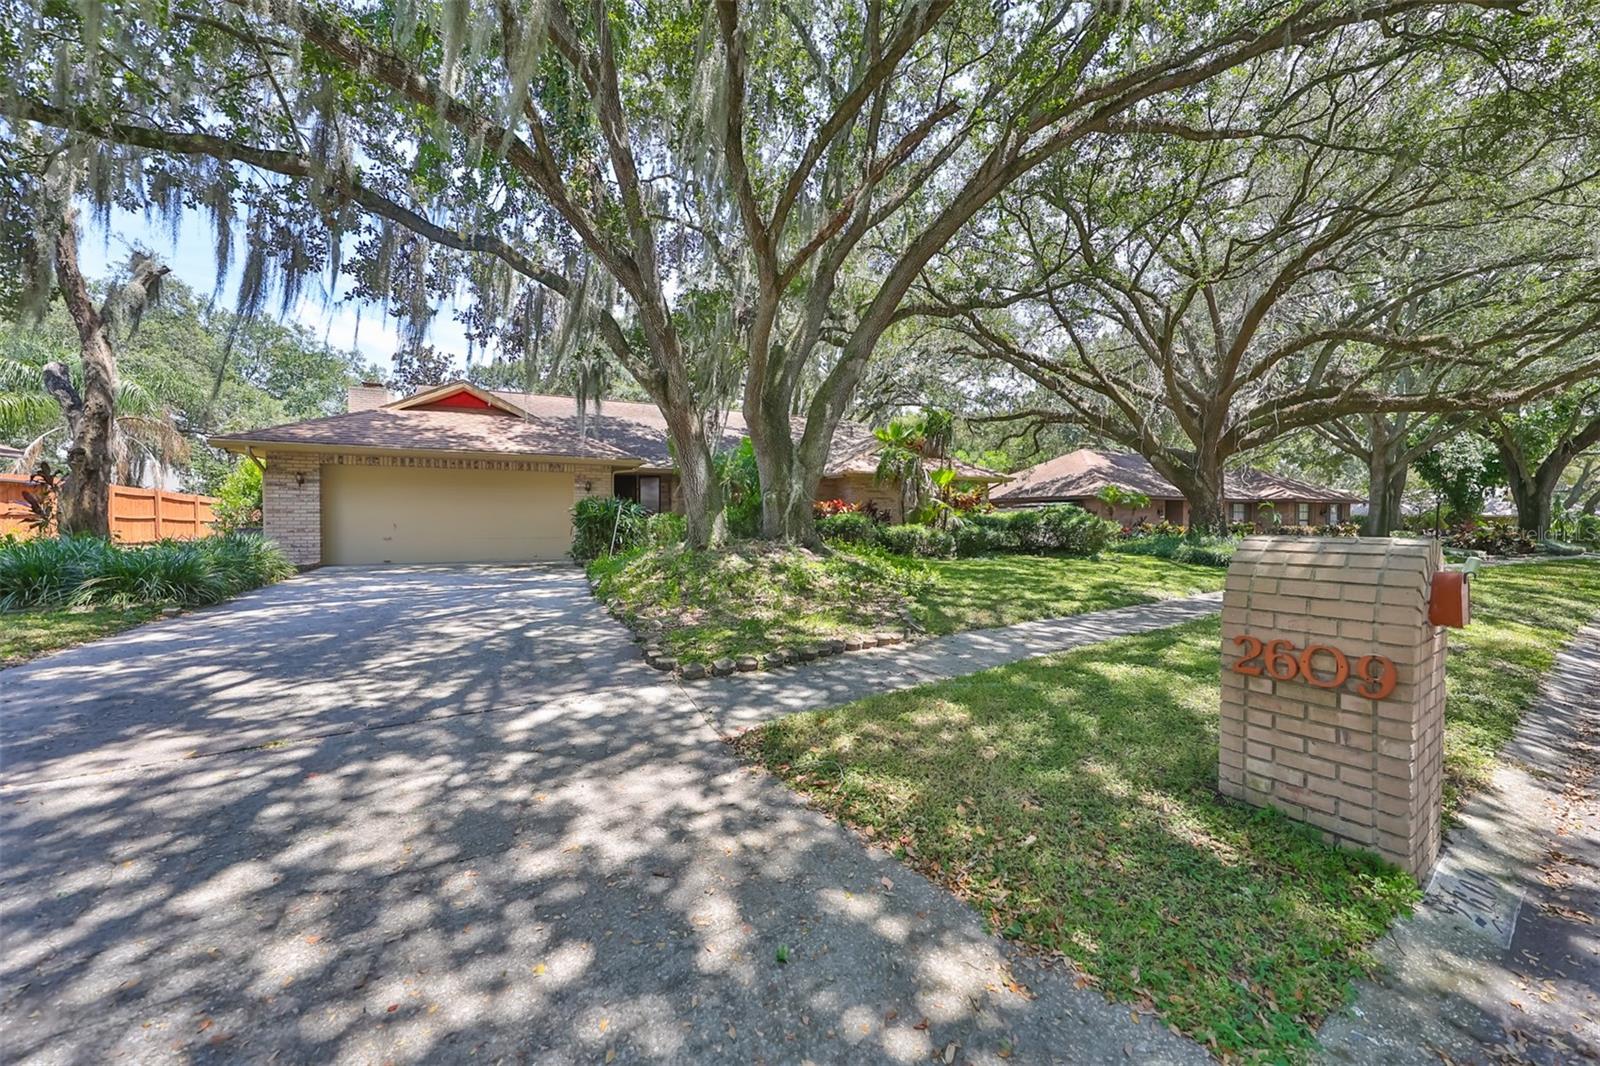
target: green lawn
<point>751,599</point>
<point>1002,589</point>
<point>26,635</point>
<point>1073,801</point>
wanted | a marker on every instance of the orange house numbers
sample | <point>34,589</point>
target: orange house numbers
<point>1318,665</point>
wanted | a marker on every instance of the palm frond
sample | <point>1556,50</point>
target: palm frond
<point>157,436</point>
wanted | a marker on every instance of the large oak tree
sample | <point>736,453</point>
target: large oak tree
<point>727,198</point>
<point>1298,258</point>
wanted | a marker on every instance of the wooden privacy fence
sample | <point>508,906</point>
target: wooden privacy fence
<point>138,516</point>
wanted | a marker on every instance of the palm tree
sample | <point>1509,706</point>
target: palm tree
<point>912,448</point>
<point>31,419</point>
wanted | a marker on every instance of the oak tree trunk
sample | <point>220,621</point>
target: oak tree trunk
<point>91,415</point>
<point>788,485</point>
<point>705,519</point>
<point>1386,486</point>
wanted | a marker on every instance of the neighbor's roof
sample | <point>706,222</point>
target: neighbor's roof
<point>387,429</point>
<point>1086,472</point>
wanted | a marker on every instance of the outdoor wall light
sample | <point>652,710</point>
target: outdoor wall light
<point>588,486</point>
<point>300,478</point>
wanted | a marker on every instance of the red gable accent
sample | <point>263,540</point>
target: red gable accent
<point>458,400</point>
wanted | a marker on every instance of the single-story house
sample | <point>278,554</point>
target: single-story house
<point>1248,495</point>
<point>458,473</point>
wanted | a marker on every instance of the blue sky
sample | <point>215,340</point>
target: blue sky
<point>343,323</point>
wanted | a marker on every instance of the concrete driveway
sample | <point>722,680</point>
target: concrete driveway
<point>441,814</point>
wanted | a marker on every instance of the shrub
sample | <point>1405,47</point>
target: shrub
<point>1208,551</point>
<point>239,498</point>
<point>1492,538</point>
<point>741,488</point>
<point>1561,547</point>
<point>1204,551</point>
<point>847,527</point>
<point>665,529</point>
<point>923,541</point>
<point>985,534</point>
<point>1026,527</point>
<point>82,571</point>
<point>1066,528</point>
<point>605,524</point>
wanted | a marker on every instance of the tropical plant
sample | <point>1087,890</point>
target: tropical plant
<point>145,429</point>
<point>736,473</point>
<point>84,571</point>
<point>42,498</point>
<point>914,453</point>
<point>1117,496</point>
<point>606,525</point>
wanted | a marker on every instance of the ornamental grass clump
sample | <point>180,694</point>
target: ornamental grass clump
<point>89,571</point>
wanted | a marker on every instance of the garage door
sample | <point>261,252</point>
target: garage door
<point>385,514</point>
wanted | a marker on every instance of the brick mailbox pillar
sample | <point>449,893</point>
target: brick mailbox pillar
<point>1333,689</point>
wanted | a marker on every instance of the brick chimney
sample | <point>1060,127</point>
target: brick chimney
<point>366,396</point>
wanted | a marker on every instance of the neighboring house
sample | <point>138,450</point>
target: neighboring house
<point>462,474</point>
<point>1249,495</point>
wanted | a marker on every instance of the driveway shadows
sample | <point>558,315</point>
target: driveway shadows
<point>446,814</point>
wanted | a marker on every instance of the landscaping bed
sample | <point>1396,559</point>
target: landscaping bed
<point>752,600</point>
<point>767,605</point>
<point>1073,800</point>
<point>60,591</point>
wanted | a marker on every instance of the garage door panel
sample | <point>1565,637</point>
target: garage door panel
<point>385,514</point>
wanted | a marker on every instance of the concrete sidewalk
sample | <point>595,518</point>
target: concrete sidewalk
<point>740,701</point>
<point>1501,961</point>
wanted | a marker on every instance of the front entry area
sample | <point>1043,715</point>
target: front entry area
<point>391,514</point>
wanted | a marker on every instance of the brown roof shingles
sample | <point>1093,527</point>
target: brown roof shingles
<point>620,431</point>
<point>641,430</point>
<point>1086,472</point>
<point>388,429</point>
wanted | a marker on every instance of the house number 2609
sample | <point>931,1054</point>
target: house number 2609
<point>1280,660</point>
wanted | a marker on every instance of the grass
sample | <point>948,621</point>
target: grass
<point>753,598</point>
<point>1073,801</point>
<point>1003,589</point>
<point>27,635</point>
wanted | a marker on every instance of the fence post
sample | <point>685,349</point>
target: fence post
<point>156,500</point>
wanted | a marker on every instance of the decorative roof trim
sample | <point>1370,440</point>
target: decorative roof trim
<point>453,388</point>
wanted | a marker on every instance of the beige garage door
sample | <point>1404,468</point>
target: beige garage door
<point>386,514</point>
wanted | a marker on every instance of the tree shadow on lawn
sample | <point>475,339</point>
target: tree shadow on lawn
<point>1073,800</point>
<point>1004,589</point>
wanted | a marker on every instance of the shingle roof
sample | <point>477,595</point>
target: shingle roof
<point>1086,472</point>
<point>434,431</point>
<point>621,430</point>
<point>641,430</point>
